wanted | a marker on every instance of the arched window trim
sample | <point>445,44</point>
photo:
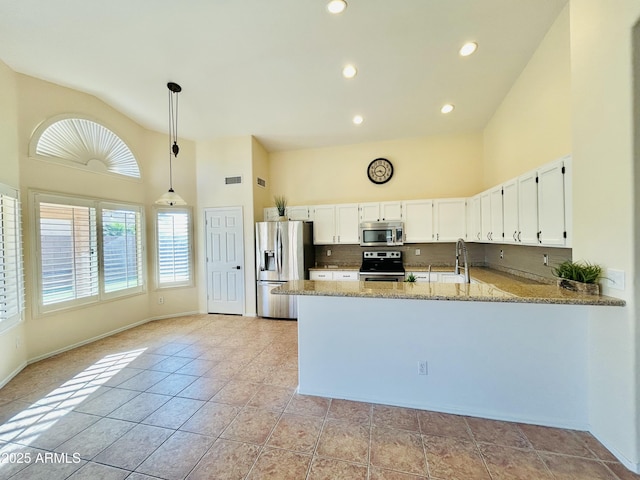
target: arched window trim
<point>94,165</point>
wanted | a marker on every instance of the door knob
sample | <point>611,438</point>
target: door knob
<point>237,267</point>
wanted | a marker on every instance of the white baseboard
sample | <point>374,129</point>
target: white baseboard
<point>633,466</point>
<point>8,378</point>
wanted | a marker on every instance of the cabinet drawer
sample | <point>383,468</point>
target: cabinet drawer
<point>345,275</point>
<point>316,275</point>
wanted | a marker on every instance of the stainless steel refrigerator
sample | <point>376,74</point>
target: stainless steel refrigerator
<point>284,251</point>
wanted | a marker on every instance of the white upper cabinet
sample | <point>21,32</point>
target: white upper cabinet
<point>551,204</point>
<point>347,224</point>
<point>474,219</point>
<point>528,208</point>
<point>270,214</point>
<point>380,211</point>
<point>450,219</point>
<point>335,224</point>
<point>298,213</point>
<point>491,221</point>
<point>510,220</point>
<point>418,221</point>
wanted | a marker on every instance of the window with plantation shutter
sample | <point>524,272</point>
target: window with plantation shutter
<point>68,253</point>
<point>174,247</point>
<point>87,250</point>
<point>122,249</point>
<point>11,280</point>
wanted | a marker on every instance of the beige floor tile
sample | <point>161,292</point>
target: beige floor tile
<point>177,456</point>
<point>506,463</point>
<point>171,364</point>
<point>574,468</point>
<point>330,469</point>
<point>622,472</point>
<point>107,402</point>
<point>271,397</point>
<point>226,460</point>
<point>345,440</point>
<point>174,413</point>
<point>203,388</point>
<point>55,428</point>
<point>172,384</point>
<point>500,433</point>
<point>453,459</point>
<point>596,447</point>
<point>197,367</point>
<point>133,447</point>
<point>139,407</point>
<point>236,393</point>
<point>308,405</point>
<point>280,465</point>
<point>556,440</point>
<point>350,411</point>
<point>91,471</point>
<point>211,419</point>
<point>284,377</point>
<point>444,424</point>
<point>395,417</point>
<point>143,380</point>
<point>295,432</point>
<point>398,450</point>
<point>382,474</point>
<point>251,425</point>
<point>91,441</point>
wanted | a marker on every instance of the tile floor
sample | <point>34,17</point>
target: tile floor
<point>213,397</point>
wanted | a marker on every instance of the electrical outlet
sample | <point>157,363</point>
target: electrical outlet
<point>545,259</point>
<point>328,253</point>
<point>417,251</point>
<point>18,342</point>
<point>501,253</point>
<point>161,300</point>
<point>614,278</point>
<point>422,367</point>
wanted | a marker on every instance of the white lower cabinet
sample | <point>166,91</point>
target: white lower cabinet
<point>338,275</point>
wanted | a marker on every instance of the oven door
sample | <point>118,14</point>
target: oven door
<point>381,277</point>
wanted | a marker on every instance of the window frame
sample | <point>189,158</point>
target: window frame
<point>191,261</point>
<point>37,198</point>
<point>15,240</point>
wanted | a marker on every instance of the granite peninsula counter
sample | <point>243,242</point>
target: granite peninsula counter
<point>516,351</point>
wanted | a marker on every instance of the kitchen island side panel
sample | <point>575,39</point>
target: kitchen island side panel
<point>506,361</point>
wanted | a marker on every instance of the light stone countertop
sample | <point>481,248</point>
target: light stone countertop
<point>493,286</point>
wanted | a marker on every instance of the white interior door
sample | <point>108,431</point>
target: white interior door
<point>225,260</point>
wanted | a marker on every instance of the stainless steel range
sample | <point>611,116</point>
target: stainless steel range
<point>382,266</point>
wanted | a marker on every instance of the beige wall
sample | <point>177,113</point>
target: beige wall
<point>532,125</point>
<point>605,211</point>
<point>38,101</point>
<point>429,167</point>
<point>215,160</point>
<point>11,358</point>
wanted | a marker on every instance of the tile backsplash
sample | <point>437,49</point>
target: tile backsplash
<point>517,259</point>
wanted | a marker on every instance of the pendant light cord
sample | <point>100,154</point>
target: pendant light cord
<point>173,132</point>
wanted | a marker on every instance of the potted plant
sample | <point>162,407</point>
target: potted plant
<point>579,276</point>
<point>281,205</point>
<point>411,278</point>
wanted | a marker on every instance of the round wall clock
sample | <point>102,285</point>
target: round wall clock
<point>380,171</point>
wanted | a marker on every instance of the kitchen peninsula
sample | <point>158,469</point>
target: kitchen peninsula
<point>514,352</point>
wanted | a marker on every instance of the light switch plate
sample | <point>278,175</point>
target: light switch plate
<point>614,278</point>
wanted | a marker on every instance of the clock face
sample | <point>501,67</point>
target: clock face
<point>380,170</point>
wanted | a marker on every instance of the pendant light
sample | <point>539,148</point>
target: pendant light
<point>171,198</point>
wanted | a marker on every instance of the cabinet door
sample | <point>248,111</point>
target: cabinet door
<point>551,204</point>
<point>510,211</point>
<point>418,221</point>
<point>324,224</point>
<point>391,211</point>
<point>528,209</point>
<point>270,214</point>
<point>450,219</point>
<point>474,219</point>
<point>298,213</point>
<point>485,225</point>
<point>347,224</point>
<point>369,212</point>
<point>320,275</point>
<point>497,228</point>
<point>346,275</point>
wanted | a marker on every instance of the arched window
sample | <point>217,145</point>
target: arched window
<point>83,143</point>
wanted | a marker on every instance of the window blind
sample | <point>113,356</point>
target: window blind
<point>174,247</point>
<point>122,249</point>
<point>11,278</point>
<point>69,254</point>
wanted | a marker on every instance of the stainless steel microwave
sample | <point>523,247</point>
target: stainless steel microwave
<point>377,234</point>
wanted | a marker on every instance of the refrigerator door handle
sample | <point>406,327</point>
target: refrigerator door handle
<point>278,251</point>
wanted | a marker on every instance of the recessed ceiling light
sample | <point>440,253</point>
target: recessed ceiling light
<point>349,71</point>
<point>468,48</point>
<point>358,119</point>
<point>336,6</point>
<point>447,108</point>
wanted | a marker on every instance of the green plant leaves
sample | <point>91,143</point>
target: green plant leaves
<point>584,272</point>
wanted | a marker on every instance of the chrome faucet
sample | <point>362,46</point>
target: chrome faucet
<point>461,248</point>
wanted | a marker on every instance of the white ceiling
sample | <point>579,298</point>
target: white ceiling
<point>272,68</point>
